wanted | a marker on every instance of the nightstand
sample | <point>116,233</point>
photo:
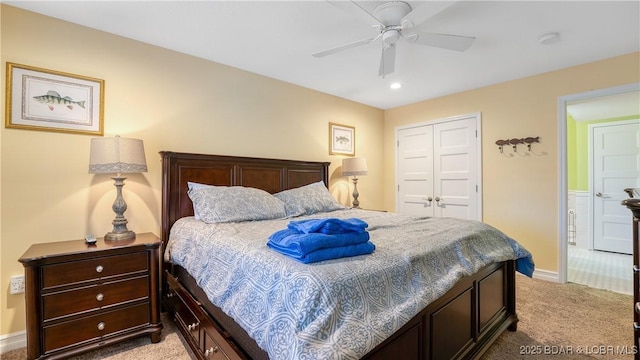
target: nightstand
<point>80,297</point>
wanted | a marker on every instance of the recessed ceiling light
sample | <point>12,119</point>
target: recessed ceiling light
<point>395,86</point>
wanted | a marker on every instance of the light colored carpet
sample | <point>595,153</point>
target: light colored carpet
<point>556,322</point>
<point>582,322</point>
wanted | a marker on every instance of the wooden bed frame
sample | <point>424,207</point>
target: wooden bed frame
<point>461,324</point>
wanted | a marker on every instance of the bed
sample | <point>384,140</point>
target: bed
<point>460,323</point>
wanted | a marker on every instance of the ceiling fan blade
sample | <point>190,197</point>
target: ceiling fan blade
<point>422,12</point>
<point>445,41</point>
<point>345,47</point>
<point>356,11</point>
<point>388,60</point>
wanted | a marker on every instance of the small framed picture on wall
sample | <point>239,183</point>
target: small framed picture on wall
<point>49,100</point>
<point>342,139</point>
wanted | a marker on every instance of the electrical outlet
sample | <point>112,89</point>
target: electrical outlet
<point>17,284</point>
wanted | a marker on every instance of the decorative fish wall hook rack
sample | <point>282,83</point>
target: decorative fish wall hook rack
<point>515,142</point>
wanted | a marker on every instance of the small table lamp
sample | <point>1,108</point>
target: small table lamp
<point>353,167</point>
<point>117,155</point>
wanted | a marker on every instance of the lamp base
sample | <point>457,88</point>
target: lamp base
<point>119,236</point>
<point>120,231</point>
<point>356,203</point>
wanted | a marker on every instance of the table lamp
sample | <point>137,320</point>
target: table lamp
<point>353,167</point>
<point>117,155</point>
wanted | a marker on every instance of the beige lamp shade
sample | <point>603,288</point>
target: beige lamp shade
<point>117,155</point>
<point>354,166</point>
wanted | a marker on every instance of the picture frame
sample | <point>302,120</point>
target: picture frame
<point>342,139</point>
<point>49,100</point>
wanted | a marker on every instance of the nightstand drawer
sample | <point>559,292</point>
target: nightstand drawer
<point>93,327</point>
<point>78,271</point>
<point>94,297</point>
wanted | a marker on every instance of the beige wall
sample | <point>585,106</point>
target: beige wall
<point>520,194</point>
<point>171,101</point>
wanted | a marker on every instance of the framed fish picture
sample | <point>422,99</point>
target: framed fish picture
<point>342,139</point>
<point>48,100</point>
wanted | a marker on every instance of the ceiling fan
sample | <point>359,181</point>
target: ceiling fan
<point>395,20</point>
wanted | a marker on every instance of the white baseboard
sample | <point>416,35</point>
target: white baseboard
<point>546,275</point>
<point>13,341</point>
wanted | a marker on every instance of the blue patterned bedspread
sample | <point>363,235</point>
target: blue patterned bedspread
<point>342,308</point>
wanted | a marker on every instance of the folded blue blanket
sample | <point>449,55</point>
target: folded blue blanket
<point>337,252</point>
<point>328,226</point>
<point>291,242</point>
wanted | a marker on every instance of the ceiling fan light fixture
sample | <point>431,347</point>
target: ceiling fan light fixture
<point>397,19</point>
<point>390,37</point>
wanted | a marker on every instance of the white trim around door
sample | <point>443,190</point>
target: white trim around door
<point>562,165</point>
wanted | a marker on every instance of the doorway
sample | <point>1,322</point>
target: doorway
<point>569,229</point>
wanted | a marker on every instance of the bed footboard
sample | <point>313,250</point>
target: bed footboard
<point>461,324</point>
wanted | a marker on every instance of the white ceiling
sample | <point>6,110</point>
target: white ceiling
<point>276,39</point>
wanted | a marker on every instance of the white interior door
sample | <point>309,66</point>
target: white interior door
<point>438,168</point>
<point>455,175</point>
<point>615,165</point>
<point>415,170</point>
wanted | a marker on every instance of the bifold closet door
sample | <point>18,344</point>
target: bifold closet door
<point>415,170</point>
<point>454,169</point>
<point>437,169</point>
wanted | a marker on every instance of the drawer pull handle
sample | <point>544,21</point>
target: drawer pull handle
<point>192,326</point>
<point>99,268</point>
<point>101,325</point>
<point>211,351</point>
<point>100,297</point>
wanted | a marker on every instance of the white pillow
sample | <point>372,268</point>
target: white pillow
<point>216,204</point>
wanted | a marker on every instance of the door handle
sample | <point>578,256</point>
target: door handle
<point>599,194</point>
<point>438,199</point>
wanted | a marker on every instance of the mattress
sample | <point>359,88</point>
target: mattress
<point>341,308</point>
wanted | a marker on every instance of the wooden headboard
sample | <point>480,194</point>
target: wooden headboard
<point>272,175</point>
